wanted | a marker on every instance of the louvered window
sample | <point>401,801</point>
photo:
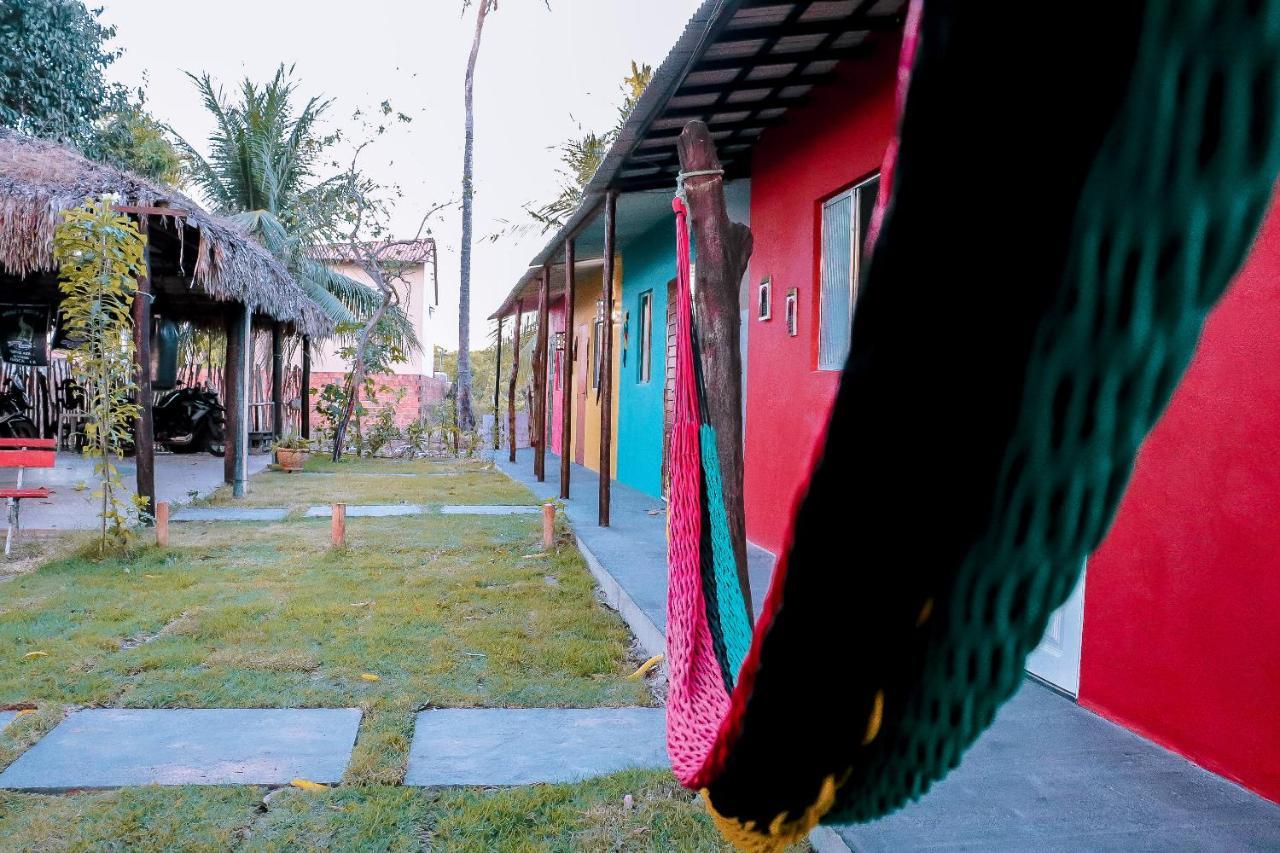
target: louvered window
<point>845,218</point>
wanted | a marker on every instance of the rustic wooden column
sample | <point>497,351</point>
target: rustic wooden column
<point>242,434</point>
<point>606,358</point>
<point>540,376</point>
<point>724,248</point>
<point>566,370</point>
<point>277,380</point>
<point>144,442</point>
<point>497,391</point>
<point>306,387</point>
<point>511,386</point>
<point>232,391</point>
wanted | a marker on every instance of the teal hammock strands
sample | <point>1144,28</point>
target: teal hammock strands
<point>735,627</point>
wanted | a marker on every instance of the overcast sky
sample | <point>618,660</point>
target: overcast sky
<point>541,74</point>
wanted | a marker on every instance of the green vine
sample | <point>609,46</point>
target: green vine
<point>99,254</point>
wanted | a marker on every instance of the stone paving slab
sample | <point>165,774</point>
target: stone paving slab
<point>369,511</point>
<point>490,509</point>
<point>7,717</point>
<point>522,746</point>
<point>230,513</point>
<point>111,747</point>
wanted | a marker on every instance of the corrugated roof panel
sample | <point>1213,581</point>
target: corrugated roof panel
<point>692,101</point>
<point>829,10</point>
<point>794,91</point>
<point>734,49</point>
<point>822,66</point>
<point>747,96</point>
<point>846,40</point>
<point>771,71</point>
<point>710,78</point>
<point>798,44</point>
<point>761,16</point>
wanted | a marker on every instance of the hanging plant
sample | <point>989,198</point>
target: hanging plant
<point>99,254</point>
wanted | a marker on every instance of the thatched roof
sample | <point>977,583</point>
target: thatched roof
<point>211,256</point>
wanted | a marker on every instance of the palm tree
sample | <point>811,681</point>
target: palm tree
<point>261,173</point>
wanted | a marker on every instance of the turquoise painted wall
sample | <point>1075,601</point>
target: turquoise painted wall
<point>648,263</point>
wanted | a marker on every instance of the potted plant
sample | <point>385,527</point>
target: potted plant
<point>291,452</point>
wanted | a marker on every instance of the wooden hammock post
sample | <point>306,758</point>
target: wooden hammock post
<point>540,377</point>
<point>566,371</point>
<point>245,369</point>
<point>497,392</point>
<point>511,386</point>
<point>144,430</point>
<point>306,387</point>
<point>724,248</point>
<point>232,391</point>
<point>606,357</point>
<point>277,380</point>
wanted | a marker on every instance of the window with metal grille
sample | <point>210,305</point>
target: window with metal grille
<point>845,218</point>
<point>645,340</point>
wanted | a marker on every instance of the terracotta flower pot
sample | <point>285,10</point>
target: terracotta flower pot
<point>291,459</point>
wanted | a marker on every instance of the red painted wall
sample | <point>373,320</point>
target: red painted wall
<point>1182,600</point>
<point>836,139</point>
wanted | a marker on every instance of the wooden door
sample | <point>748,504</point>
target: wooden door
<point>581,359</point>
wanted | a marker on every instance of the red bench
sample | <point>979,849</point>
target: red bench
<point>23,453</point>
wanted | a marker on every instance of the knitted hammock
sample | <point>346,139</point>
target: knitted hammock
<point>1017,335</point>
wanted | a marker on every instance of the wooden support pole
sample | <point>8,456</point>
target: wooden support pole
<point>144,441</point>
<point>724,248</point>
<point>162,524</point>
<point>606,357</point>
<point>540,377</point>
<point>511,386</point>
<point>338,525</point>
<point>242,434</point>
<point>277,380</point>
<point>548,526</point>
<point>306,387</point>
<point>566,370</point>
<point>232,392</point>
<point>497,392</point>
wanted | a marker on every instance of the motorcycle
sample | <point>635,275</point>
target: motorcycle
<point>190,420</point>
<point>14,420</point>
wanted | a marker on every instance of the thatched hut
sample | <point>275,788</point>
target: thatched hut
<point>202,268</point>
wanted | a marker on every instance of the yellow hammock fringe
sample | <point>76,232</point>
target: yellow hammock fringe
<point>781,832</point>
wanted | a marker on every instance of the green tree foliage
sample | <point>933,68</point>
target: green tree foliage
<point>53,57</point>
<point>131,139</point>
<point>262,171</point>
<point>581,156</point>
<point>99,254</point>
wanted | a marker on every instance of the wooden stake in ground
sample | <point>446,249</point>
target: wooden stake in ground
<point>548,526</point>
<point>724,248</point>
<point>162,524</point>
<point>338,525</point>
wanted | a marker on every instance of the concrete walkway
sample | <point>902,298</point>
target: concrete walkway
<point>1048,775</point>
<point>523,746</point>
<point>1051,776</point>
<point>179,479</point>
<point>629,557</point>
<point>113,747</point>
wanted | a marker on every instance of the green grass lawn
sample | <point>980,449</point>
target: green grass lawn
<point>380,481</point>
<point>445,611</point>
